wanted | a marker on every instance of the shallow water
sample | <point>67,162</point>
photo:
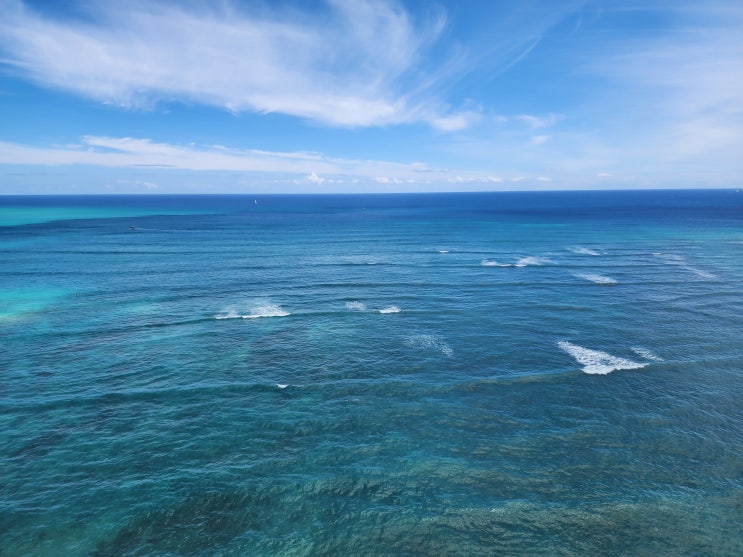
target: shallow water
<point>471,374</point>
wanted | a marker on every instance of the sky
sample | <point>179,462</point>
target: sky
<point>327,96</point>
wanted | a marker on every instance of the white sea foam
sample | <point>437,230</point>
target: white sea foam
<point>526,261</point>
<point>263,310</point>
<point>429,342</point>
<point>646,354</point>
<point>391,309</point>
<point>680,262</point>
<point>228,313</point>
<point>268,310</point>
<point>355,306</point>
<point>700,272</point>
<point>443,251</point>
<point>583,251</point>
<point>595,361</point>
<point>598,279</point>
<point>281,386</point>
<point>493,263</point>
<point>523,262</point>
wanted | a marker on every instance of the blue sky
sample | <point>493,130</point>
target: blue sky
<point>369,95</point>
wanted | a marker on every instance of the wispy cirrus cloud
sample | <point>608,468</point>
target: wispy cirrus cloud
<point>349,63</point>
<point>117,152</point>
<point>682,88</point>
<point>658,105</point>
<point>538,122</point>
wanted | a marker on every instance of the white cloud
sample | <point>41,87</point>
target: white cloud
<point>308,167</point>
<point>476,179</point>
<point>127,151</point>
<point>388,180</point>
<point>680,91</point>
<point>141,164</point>
<point>136,184</point>
<point>456,121</point>
<point>659,106</point>
<point>537,122</point>
<point>347,63</point>
<point>313,178</point>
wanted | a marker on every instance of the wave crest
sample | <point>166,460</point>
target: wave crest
<point>598,279</point>
<point>595,361</point>
<point>528,261</point>
<point>680,262</point>
<point>268,310</point>
<point>646,354</point>
<point>229,313</point>
<point>494,263</point>
<point>583,251</point>
<point>263,310</point>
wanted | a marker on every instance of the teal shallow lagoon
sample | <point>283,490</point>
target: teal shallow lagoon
<point>235,381</point>
<point>22,210</point>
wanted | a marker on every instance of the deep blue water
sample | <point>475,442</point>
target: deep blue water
<point>460,374</point>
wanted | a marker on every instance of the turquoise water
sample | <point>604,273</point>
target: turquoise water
<point>463,374</point>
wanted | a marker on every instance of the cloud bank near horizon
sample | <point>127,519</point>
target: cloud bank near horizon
<point>296,167</point>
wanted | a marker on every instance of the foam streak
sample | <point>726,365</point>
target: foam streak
<point>598,279</point>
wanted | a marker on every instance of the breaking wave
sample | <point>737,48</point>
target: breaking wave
<point>583,251</point>
<point>493,263</point>
<point>265,310</point>
<point>229,313</point>
<point>646,354</point>
<point>390,309</point>
<point>523,262</point>
<point>598,279</point>
<point>680,262</point>
<point>527,261</point>
<point>269,310</point>
<point>595,361</point>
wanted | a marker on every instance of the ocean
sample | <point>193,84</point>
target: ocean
<point>554,373</point>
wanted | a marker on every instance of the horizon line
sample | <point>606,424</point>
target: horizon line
<point>286,194</point>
